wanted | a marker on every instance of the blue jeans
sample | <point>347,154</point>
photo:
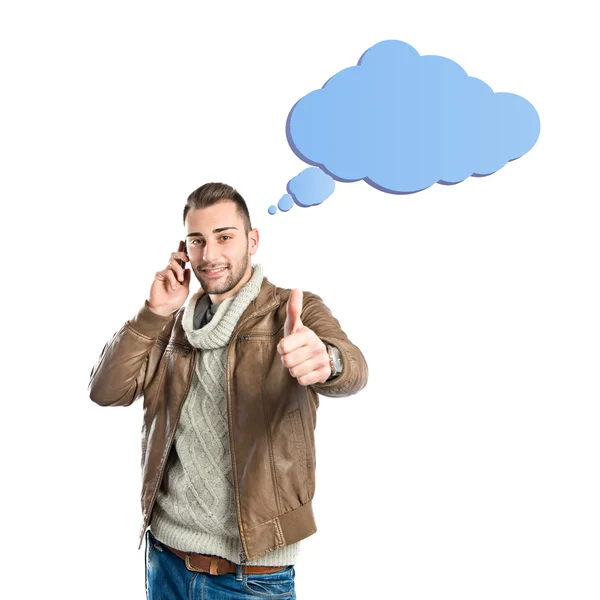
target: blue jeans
<point>167,578</point>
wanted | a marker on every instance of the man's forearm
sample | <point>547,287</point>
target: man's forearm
<point>118,377</point>
<point>355,373</point>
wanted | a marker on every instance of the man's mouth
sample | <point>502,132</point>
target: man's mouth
<point>214,271</point>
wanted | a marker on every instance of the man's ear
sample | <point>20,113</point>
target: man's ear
<point>253,238</point>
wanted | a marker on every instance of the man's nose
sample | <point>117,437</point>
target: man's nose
<point>210,252</point>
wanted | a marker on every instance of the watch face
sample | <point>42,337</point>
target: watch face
<point>337,359</point>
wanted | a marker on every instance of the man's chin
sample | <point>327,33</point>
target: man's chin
<point>215,287</point>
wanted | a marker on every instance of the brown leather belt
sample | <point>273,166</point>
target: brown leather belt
<point>215,565</point>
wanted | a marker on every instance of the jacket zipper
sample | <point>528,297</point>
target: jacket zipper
<point>188,349</point>
<point>241,338</point>
<point>244,552</point>
<point>245,336</point>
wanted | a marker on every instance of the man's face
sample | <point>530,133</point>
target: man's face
<point>219,249</point>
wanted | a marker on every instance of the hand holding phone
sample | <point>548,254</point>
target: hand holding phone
<point>171,286</point>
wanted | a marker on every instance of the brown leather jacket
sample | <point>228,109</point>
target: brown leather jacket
<point>271,416</point>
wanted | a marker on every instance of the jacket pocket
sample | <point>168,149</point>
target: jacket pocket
<point>289,454</point>
<point>295,419</point>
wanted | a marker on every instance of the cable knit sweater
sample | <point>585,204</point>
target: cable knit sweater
<point>195,506</point>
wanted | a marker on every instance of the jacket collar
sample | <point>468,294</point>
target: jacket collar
<point>267,299</point>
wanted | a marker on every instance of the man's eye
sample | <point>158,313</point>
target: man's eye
<point>225,237</point>
<point>199,241</point>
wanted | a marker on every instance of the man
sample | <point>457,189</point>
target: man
<point>230,386</point>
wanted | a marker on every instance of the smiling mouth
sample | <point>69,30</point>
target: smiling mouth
<point>213,271</point>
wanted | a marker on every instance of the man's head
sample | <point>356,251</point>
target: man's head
<point>220,239</point>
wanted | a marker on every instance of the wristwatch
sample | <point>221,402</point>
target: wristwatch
<point>335,361</point>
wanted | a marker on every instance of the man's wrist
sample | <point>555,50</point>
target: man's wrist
<point>335,362</point>
<point>163,312</point>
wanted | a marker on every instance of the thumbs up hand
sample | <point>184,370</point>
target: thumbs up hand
<point>302,352</point>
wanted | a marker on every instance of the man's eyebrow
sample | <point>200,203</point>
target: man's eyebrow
<point>217,230</point>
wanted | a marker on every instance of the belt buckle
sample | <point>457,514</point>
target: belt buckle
<point>213,568</point>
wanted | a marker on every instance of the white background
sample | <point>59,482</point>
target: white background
<point>468,467</point>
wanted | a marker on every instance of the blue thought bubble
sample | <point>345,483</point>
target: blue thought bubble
<point>285,203</point>
<point>311,187</point>
<point>308,188</point>
<point>402,122</point>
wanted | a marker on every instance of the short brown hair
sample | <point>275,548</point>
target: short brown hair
<point>212,193</point>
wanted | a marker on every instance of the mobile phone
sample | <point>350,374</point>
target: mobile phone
<point>182,262</point>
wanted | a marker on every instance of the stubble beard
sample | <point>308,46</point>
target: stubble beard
<point>234,276</point>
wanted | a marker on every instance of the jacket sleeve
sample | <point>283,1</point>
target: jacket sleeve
<point>118,376</point>
<point>355,373</point>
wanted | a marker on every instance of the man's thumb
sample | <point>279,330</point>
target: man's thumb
<point>294,309</point>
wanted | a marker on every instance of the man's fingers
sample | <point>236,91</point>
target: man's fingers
<point>302,337</point>
<point>319,376</point>
<point>305,356</point>
<point>297,357</point>
<point>316,364</point>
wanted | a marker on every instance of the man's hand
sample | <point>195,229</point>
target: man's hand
<point>302,352</point>
<point>171,286</point>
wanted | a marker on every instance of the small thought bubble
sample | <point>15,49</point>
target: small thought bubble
<point>309,188</point>
<point>402,122</point>
<point>285,203</point>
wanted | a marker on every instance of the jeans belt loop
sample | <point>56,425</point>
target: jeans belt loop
<point>214,565</point>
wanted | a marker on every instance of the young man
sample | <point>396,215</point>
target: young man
<point>230,385</point>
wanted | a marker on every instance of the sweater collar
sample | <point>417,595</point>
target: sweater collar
<point>217,332</point>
